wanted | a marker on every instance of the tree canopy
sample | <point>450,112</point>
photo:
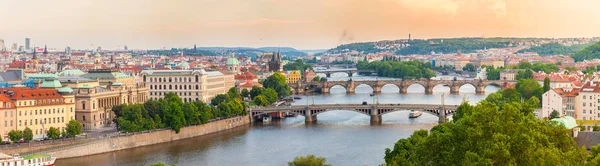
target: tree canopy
<point>172,112</point>
<point>554,49</point>
<point>278,83</point>
<point>73,128</point>
<point>406,69</point>
<point>309,160</point>
<point>588,53</point>
<point>504,132</point>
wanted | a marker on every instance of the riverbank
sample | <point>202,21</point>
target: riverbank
<point>111,144</point>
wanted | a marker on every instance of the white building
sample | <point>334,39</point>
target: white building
<point>190,85</point>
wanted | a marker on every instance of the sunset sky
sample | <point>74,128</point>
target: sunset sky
<point>303,24</point>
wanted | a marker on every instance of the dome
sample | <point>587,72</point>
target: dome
<point>65,89</point>
<point>184,64</point>
<point>567,121</point>
<point>97,55</point>
<point>232,61</point>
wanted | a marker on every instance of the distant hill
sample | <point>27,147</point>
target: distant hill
<point>421,46</point>
<point>555,49</point>
<point>316,51</point>
<point>588,53</point>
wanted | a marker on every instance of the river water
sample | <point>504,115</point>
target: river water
<point>343,137</point>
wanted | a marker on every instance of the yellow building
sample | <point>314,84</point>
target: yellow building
<point>8,116</point>
<point>40,109</point>
<point>294,76</point>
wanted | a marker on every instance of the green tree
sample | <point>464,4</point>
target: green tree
<point>255,91</point>
<point>571,69</point>
<point>233,93</point>
<point>161,164</point>
<point>270,94</point>
<point>554,114</point>
<point>463,109</point>
<point>493,73</point>
<point>309,160</point>
<point>524,74</point>
<point>53,133</point>
<point>524,65</point>
<point>588,53</point>
<point>278,83</point>
<point>529,88</point>
<point>261,100</point>
<point>15,135</point>
<point>219,99</point>
<point>245,93</point>
<point>27,134</point>
<point>546,84</point>
<point>469,67</point>
<point>596,128</point>
<point>73,128</point>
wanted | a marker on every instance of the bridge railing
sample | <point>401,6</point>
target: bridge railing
<point>352,106</point>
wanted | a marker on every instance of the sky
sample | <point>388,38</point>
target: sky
<point>302,24</point>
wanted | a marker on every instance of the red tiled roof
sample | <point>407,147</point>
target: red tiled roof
<point>245,76</point>
<point>250,84</point>
<point>574,92</point>
<point>5,99</point>
<point>30,93</point>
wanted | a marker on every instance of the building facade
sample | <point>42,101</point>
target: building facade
<point>40,109</point>
<point>8,116</point>
<point>190,85</point>
<point>294,76</point>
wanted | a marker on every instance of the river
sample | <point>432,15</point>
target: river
<point>343,137</point>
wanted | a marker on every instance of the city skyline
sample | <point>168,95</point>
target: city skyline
<point>318,25</point>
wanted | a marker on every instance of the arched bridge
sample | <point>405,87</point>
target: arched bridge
<point>375,111</point>
<point>403,85</point>
<point>350,72</point>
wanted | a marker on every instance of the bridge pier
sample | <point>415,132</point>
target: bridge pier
<point>375,117</point>
<point>310,119</point>
<point>454,89</point>
<point>428,90</point>
<point>328,75</point>
<point>403,90</point>
<point>377,89</point>
<point>480,90</point>
<point>442,117</point>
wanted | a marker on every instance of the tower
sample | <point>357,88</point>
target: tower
<point>27,42</point>
<point>167,63</point>
<point>275,63</point>
<point>195,50</point>
<point>45,50</point>
<point>409,36</point>
<point>152,66</point>
<point>35,61</point>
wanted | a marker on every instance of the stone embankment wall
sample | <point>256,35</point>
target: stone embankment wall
<point>144,139</point>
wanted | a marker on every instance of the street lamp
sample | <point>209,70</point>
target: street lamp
<point>43,136</point>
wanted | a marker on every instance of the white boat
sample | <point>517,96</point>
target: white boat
<point>266,118</point>
<point>28,160</point>
<point>414,114</point>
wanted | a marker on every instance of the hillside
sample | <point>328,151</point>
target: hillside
<point>420,46</point>
<point>555,49</point>
<point>588,53</point>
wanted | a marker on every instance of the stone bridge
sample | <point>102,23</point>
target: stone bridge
<point>403,85</point>
<point>350,72</point>
<point>375,111</point>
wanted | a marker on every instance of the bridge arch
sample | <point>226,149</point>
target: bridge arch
<point>364,112</point>
<point>416,88</point>
<point>364,85</point>
<point>333,86</point>
<point>468,88</point>
<point>395,88</point>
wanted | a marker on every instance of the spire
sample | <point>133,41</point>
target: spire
<point>112,58</point>
<point>34,56</point>
<point>45,50</point>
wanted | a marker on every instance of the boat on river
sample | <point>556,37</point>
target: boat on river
<point>414,114</point>
<point>28,160</point>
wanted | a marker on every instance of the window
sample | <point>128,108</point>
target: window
<point>583,96</point>
<point>83,117</point>
<point>144,78</point>
<point>584,104</point>
<point>584,118</point>
<point>584,111</point>
<point>83,104</point>
<point>196,79</point>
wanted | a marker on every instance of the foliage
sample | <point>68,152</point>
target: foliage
<point>245,92</point>
<point>15,135</point>
<point>27,134</point>
<point>255,91</point>
<point>233,93</point>
<point>464,45</point>
<point>524,74</point>
<point>172,112</point>
<point>571,68</point>
<point>309,160</point>
<point>297,65</point>
<point>546,86</point>
<point>469,67</point>
<point>188,52</point>
<point>278,83</point>
<point>554,114</point>
<point>261,100</point>
<point>319,79</point>
<point>491,135</point>
<point>529,88</point>
<point>596,128</point>
<point>493,73</point>
<point>219,99</point>
<point>555,49</point>
<point>161,164</point>
<point>365,48</point>
<point>588,53</point>
<point>73,128</point>
<point>53,133</point>
<point>406,69</point>
<point>463,109</point>
<point>546,68</point>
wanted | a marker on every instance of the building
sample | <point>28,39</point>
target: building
<point>275,64</point>
<point>8,116</point>
<point>27,44</point>
<point>586,103</point>
<point>190,85</point>
<point>309,75</point>
<point>109,76</point>
<point>233,65</point>
<point>2,45</point>
<point>559,99</point>
<point>508,74</point>
<point>294,76</point>
<point>40,109</point>
<point>556,80</point>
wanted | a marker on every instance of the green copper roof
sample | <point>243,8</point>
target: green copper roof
<point>65,89</point>
<point>70,72</point>
<point>117,84</point>
<point>184,64</point>
<point>232,61</point>
<point>97,55</point>
<point>85,86</point>
<point>51,84</point>
<point>567,121</point>
<point>41,76</point>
